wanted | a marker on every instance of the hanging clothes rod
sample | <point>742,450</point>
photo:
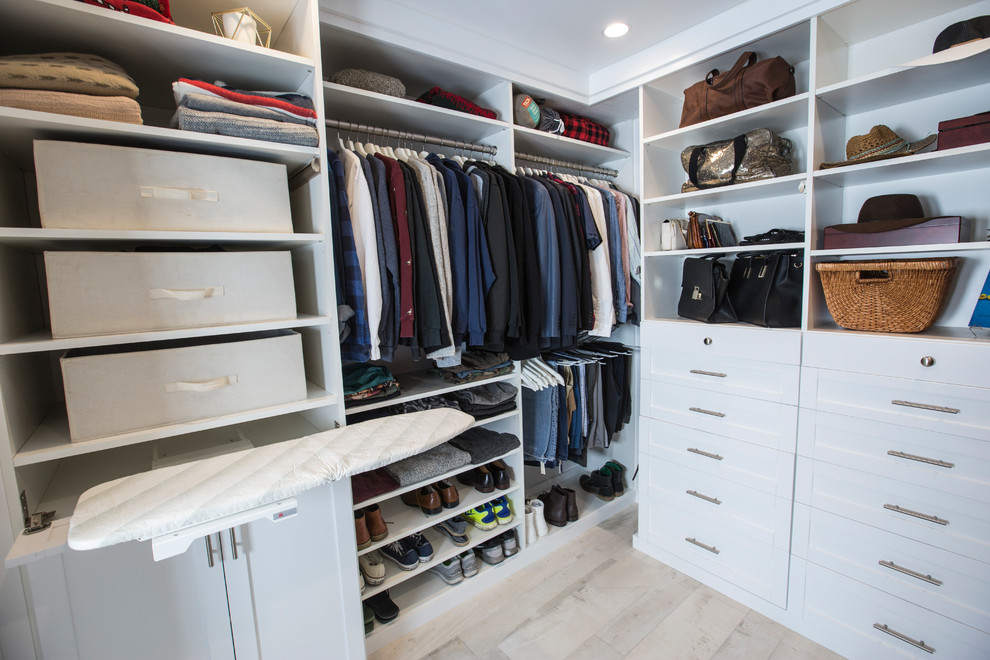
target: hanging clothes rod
<point>412,137</point>
<point>606,171</point>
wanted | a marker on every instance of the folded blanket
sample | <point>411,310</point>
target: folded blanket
<point>221,123</point>
<point>484,445</point>
<point>79,73</point>
<point>439,460</point>
<point>110,108</point>
<point>295,105</point>
<point>208,103</point>
<point>484,412</point>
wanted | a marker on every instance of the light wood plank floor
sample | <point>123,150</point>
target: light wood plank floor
<point>599,599</point>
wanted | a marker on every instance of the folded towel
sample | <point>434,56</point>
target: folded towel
<point>110,108</point>
<point>484,445</point>
<point>221,123</point>
<point>297,106</point>
<point>79,73</point>
<point>431,463</point>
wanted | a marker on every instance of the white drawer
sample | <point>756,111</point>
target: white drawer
<point>753,420</point>
<point>733,341</point>
<point>947,463</point>
<point>757,514</point>
<point>770,381</point>
<point>953,409</point>
<point>959,362</point>
<point>96,186</point>
<point>153,385</point>
<point>955,586</point>
<point>765,469</point>
<point>843,613</point>
<point>946,521</point>
<point>707,543</point>
<point>92,293</point>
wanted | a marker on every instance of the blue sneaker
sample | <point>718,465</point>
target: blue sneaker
<point>503,514</point>
<point>401,553</point>
<point>422,545</point>
<point>482,517</point>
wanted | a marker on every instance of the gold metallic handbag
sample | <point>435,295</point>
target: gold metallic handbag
<point>758,154</point>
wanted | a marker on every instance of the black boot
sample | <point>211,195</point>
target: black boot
<point>599,482</point>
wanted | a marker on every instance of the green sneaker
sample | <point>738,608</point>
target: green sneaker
<point>481,517</point>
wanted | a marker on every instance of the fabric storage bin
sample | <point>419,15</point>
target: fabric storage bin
<point>93,293</point>
<point>95,186</point>
<point>115,390</point>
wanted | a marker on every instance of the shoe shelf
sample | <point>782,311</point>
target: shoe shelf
<point>589,504</point>
<point>420,385</point>
<point>443,549</point>
<point>403,520</point>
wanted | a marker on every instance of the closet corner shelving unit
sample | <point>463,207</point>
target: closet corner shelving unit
<point>836,456</point>
<point>73,617</point>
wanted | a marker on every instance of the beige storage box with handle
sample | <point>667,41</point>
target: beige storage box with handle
<point>94,293</point>
<point>96,186</point>
<point>116,390</point>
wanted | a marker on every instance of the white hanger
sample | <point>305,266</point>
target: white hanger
<point>359,148</point>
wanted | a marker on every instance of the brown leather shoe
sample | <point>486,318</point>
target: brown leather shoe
<point>554,507</point>
<point>480,477</point>
<point>361,530</point>
<point>427,499</point>
<point>449,496</point>
<point>571,502</point>
<point>500,474</point>
<point>376,524</point>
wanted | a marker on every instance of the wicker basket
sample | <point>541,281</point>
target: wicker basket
<point>886,296</point>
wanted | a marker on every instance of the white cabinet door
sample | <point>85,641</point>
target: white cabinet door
<point>125,605</point>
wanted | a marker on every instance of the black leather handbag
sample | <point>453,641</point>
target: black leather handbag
<point>765,288</point>
<point>704,284</point>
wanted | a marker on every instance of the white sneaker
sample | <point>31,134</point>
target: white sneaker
<point>541,522</point>
<point>372,567</point>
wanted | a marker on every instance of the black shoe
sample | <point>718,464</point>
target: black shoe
<point>599,482</point>
<point>500,474</point>
<point>480,477</point>
<point>618,471</point>
<point>383,607</point>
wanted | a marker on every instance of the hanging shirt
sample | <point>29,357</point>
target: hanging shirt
<point>400,219</point>
<point>365,240</point>
<point>388,257</point>
<point>601,279</point>
<point>356,346</point>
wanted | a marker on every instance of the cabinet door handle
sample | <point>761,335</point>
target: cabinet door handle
<point>233,544</point>
<point>702,496</point>
<point>710,548</point>
<point>695,450</point>
<point>713,374</point>
<point>916,514</point>
<point>209,550</point>
<point>920,459</point>
<point>186,295</point>
<point>907,571</point>
<point>706,412</point>
<point>882,627</point>
<point>201,385</point>
<point>925,406</point>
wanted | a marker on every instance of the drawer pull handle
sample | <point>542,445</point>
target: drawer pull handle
<point>201,385</point>
<point>925,406</point>
<point>706,412</point>
<point>695,450</point>
<point>707,341</point>
<point>928,361</point>
<point>907,571</point>
<point>710,548</point>
<point>192,194</point>
<point>882,627</point>
<point>713,374</point>
<point>916,514</point>
<point>920,459</point>
<point>694,493</point>
<point>186,294</point>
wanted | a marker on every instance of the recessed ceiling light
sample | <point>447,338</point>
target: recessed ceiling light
<point>615,30</point>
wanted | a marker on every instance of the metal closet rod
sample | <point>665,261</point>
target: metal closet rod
<point>411,137</point>
<point>532,158</point>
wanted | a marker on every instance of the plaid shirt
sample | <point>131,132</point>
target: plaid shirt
<point>439,97</point>
<point>356,346</point>
<point>582,128</point>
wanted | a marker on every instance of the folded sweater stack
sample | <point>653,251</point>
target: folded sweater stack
<point>76,84</point>
<point>284,117</point>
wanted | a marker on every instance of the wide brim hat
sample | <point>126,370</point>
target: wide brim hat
<point>958,41</point>
<point>886,213</point>
<point>880,143</point>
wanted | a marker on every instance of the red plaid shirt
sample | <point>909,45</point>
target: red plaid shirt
<point>582,128</point>
<point>439,97</point>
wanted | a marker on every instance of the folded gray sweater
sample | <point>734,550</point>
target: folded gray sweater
<point>431,463</point>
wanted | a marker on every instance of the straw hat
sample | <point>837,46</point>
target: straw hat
<point>879,144</point>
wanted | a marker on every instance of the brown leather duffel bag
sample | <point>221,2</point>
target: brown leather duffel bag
<point>748,84</point>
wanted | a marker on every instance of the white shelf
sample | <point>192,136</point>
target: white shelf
<point>42,341</point>
<point>413,386</point>
<point>35,238</point>
<point>732,249</point>
<point>740,192</point>
<point>933,163</point>
<point>588,504</point>
<point>380,110</point>
<point>50,441</point>
<point>889,251</point>
<point>541,143</point>
<point>495,418</point>
<point>739,325</point>
<point>780,116</point>
<point>447,476</point>
<point>897,85</point>
<point>153,52</point>
<point>954,333</point>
